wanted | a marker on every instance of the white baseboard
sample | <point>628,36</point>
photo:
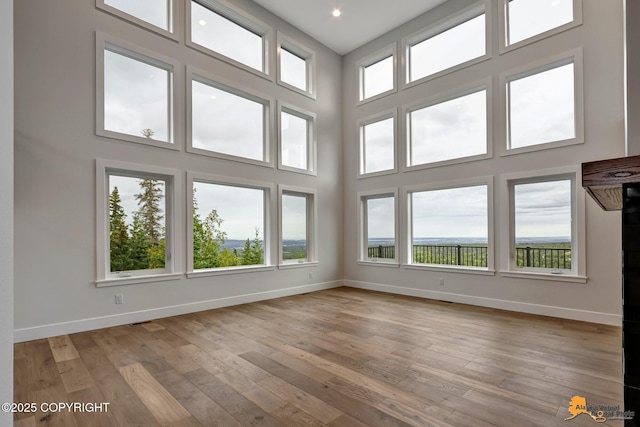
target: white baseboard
<point>543,310</point>
<point>45,331</point>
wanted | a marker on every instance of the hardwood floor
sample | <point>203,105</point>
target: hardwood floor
<point>341,357</point>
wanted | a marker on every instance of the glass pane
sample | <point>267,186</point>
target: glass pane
<point>137,223</point>
<point>450,226</point>
<point>155,12</point>
<point>381,235</point>
<point>226,123</point>
<point>541,108</point>
<point>294,140</point>
<point>228,226</point>
<point>450,130</point>
<point>378,77</point>
<point>378,146</point>
<point>224,36</point>
<point>543,224</point>
<point>294,228</point>
<point>456,45</point>
<point>527,18</point>
<point>293,69</point>
<point>136,97</point>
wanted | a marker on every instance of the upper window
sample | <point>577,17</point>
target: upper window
<point>297,226</point>
<point>230,33</point>
<point>156,15</point>
<point>296,68</point>
<point>377,144</point>
<point>445,131</point>
<point>456,41</point>
<point>297,140</point>
<point>543,106</point>
<point>134,95</point>
<point>227,122</point>
<point>377,74</point>
<point>378,227</point>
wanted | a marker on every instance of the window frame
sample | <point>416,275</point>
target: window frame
<point>407,191</point>
<point>242,19</point>
<point>220,83</point>
<point>173,12</point>
<point>363,197</point>
<point>573,56</point>
<point>371,59</point>
<point>312,227</point>
<point>460,91</point>
<point>440,27</point>
<point>503,25</point>
<point>173,217</point>
<point>269,223</point>
<point>303,52</point>
<point>137,53</point>
<point>361,123</point>
<point>312,150</point>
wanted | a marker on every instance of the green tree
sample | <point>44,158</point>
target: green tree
<point>208,239</point>
<point>149,209</point>
<point>253,253</point>
<point>139,245</point>
<point>118,233</point>
<point>147,133</point>
<point>228,258</point>
<point>157,254</point>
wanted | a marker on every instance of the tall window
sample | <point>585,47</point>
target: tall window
<point>297,139</point>
<point>155,12</point>
<point>450,226</point>
<point>377,144</point>
<point>378,227</point>
<point>296,66</point>
<point>528,18</point>
<point>297,225</point>
<point>377,74</point>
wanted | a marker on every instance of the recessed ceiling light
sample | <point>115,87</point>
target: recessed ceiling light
<point>336,12</point>
<point>202,22</point>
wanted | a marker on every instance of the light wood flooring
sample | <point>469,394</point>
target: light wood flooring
<point>341,357</point>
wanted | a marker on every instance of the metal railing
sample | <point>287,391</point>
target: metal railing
<point>470,256</point>
<point>382,252</point>
<point>543,257</point>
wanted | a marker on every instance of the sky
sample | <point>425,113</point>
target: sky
<point>294,140</point>
<point>378,146</point>
<point>294,217</point>
<point>153,11</point>
<point>128,187</point>
<point>543,209</point>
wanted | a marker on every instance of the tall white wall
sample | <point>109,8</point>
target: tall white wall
<point>6,208</point>
<point>600,298</point>
<point>633,82</point>
<point>56,148</point>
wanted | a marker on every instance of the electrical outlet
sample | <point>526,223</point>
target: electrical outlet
<point>441,281</point>
<point>310,275</point>
<point>119,298</point>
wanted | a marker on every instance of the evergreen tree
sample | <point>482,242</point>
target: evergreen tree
<point>252,253</point>
<point>228,258</point>
<point>139,245</point>
<point>149,209</point>
<point>157,254</point>
<point>207,240</point>
<point>118,233</point>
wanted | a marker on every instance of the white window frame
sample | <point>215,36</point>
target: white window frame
<point>389,114</point>
<point>312,228</point>
<point>441,26</point>
<point>305,53</point>
<point>508,268</point>
<point>503,25</point>
<point>471,182</point>
<point>460,91</point>
<point>269,223</point>
<point>172,24</point>
<point>382,54</point>
<point>312,150</point>
<point>225,85</point>
<point>241,18</point>
<point>574,56</point>
<point>137,53</point>
<point>173,216</point>
<point>363,255</point>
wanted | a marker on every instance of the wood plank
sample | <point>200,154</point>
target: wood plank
<point>62,348</point>
<point>74,375</point>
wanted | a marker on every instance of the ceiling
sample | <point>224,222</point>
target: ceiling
<point>361,20</point>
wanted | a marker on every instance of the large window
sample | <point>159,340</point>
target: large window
<point>227,122</point>
<point>136,217</point>
<point>378,144</point>
<point>453,42</point>
<point>378,227</point>
<point>297,226</point>
<point>296,68</point>
<point>377,74</point>
<point>155,15</point>
<point>450,129</point>
<point>451,226</point>
<point>297,140</point>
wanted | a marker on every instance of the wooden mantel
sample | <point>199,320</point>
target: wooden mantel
<point>603,180</point>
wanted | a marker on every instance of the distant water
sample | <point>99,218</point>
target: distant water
<point>465,240</point>
<point>232,244</point>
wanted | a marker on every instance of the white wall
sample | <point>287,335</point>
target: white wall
<point>599,299</point>
<point>56,148</point>
<point>633,82</point>
<point>6,208</point>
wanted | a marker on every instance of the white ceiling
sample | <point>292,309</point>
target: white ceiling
<point>361,20</point>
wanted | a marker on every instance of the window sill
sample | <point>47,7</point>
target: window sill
<point>451,268</point>
<point>137,279</point>
<point>391,264</point>
<point>229,270</point>
<point>297,170</point>
<point>544,276</point>
<point>285,266</point>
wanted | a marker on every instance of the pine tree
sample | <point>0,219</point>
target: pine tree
<point>149,209</point>
<point>118,233</point>
<point>139,245</point>
<point>252,253</point>
<point>207,240</point>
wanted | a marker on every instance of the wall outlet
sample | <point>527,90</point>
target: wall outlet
<point>310,275</point>
<point>441,281</point>
<point>119,298</point>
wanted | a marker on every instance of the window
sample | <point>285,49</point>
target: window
<point>378,227</point>
<point>451,225</point>
<point>461,40</point>
<point>227,122</point>
<point>296,69</point>
<point>526,19</point>
<point>448,130</point>
<point>377,74</point>
<point>229,34</point>
<point>134,95</point>
<point>228,224</point>
<point>545,225</point>
<point>544,105</point>
<point>297,140</point>
<point>297,226</point>
<point>136,223</point>
<point>377,144</point>
<point>155,15</point>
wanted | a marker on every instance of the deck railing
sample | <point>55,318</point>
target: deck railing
<point>559,258</point>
